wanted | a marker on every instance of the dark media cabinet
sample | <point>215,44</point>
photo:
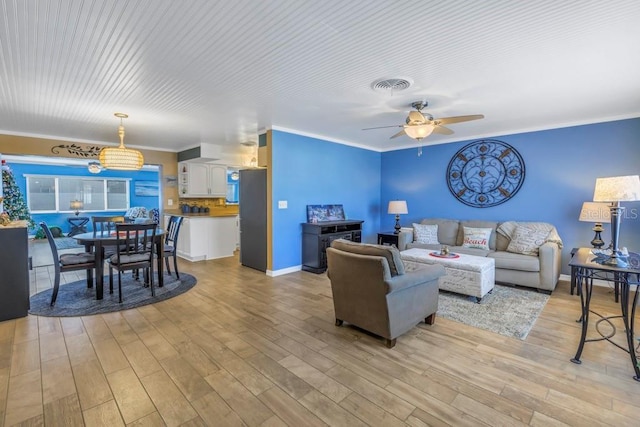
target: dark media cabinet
<point>317,237</point>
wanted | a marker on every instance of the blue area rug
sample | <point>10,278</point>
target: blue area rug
<point>75,299</point>
<point>67,243</point>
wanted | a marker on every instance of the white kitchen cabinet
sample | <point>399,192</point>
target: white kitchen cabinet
<point>202,180</point>
<point>192,244</point>
<point>208,237</point>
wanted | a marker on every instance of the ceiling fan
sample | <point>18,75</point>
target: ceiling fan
<point>420,125</point>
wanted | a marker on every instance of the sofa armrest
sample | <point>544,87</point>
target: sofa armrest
<point>414,278</point>
<point>404,238</point>
<point>549,255</point>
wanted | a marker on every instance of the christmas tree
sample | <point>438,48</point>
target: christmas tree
<point>14,203</point>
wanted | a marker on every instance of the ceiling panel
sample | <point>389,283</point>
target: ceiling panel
<point>219,72</point>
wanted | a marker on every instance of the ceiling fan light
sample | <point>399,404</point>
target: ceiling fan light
<point>94,167</point>
<point>121,158</point>
<point>418,131</point>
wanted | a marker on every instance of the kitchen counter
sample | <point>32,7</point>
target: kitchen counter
<point>216,211</point>
<point>206,236</point>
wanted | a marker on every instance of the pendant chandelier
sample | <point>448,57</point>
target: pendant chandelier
<point>121,158</point>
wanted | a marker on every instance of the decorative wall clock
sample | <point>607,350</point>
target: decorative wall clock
<point>485,173</point>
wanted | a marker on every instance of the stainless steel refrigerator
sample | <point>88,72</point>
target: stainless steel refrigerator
<point>253,218</point>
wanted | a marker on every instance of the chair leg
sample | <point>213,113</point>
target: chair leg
<point>119,286</point>
<point>153,292</point>
<point>111,278</point>
<point>175,265</point>
<point>56,286</point>
<point>166,262</point>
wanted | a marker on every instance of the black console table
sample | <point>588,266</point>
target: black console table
<point>317,237</point>
<point>587,268</point>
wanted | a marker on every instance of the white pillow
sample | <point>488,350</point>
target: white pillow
<point>527,240</point>
<point>423,233</point>
<point>477,238</point>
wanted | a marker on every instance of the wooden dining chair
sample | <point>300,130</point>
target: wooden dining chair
<point>105,225</point>
<point>66,262</point>
<point>136,252</point>
<point>171,243</point>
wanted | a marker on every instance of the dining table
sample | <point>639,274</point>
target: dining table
<point>95,242</point>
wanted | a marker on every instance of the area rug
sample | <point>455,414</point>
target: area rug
<point>67,243</point>
<point>508,310</point>
<point>75,299</point>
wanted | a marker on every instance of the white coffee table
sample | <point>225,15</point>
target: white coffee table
<point>466,274</point>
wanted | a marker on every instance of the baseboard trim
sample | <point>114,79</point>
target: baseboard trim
<point>596,282</point>
<point>274,273</point>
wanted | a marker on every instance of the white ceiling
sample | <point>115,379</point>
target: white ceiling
<point>220,71</point>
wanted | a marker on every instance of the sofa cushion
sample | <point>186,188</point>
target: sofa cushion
<point>477,238</point>
<point>447,229</point>
<point>511,261</point>
<point>527,240</point>
<point>425,233</point>
<point>469,251</point>
<point>391,253</point>
<point>478,224</point>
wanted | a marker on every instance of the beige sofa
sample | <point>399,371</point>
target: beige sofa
<point>539,271</point>
<point>372,291</point>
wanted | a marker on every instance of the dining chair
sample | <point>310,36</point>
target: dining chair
<point>136,252</point>
<point>66,262</point>
<point>105,225</point>
<point>171,243</point>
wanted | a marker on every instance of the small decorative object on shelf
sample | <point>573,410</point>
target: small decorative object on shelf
<point>445,250</point>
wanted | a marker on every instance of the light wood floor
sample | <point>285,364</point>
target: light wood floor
<point>245,349</point>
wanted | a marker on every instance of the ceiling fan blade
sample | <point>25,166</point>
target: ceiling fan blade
<point>442,130</point>
<point>398,134</point>
<point>457,119</point>
<point>415,117</point>
<point>384,127</point>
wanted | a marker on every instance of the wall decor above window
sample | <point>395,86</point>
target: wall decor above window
<point>485,173</point>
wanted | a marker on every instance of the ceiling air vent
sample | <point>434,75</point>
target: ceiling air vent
<point>391,85</point>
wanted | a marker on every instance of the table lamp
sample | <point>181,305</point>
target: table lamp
<point>596,213</point>
<point>76,205</point>
<point>616,189</point>
<point>397,207</point>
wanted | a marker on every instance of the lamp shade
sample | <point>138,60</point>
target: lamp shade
<point>76,205</point>
<point>121,158</point>
<point>617,189</point>
<point>397,207</point>
<point>418,131</point>
<point>595,212</point>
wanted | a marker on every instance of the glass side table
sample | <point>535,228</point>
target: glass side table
<point>78,225</point>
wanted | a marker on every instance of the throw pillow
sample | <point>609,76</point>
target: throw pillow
<point>425,234</point>
<point>527,240</point>
<point>477,238</point>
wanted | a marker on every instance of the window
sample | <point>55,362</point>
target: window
<point>54,194</point>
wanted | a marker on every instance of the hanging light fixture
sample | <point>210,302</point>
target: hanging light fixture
<point>418,131</point>
<point>121,158</point>
<point>94,167</point>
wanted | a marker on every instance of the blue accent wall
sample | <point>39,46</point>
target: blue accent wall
<point>310,171</point>
<point>561,170</point>
<point>60,219</point>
